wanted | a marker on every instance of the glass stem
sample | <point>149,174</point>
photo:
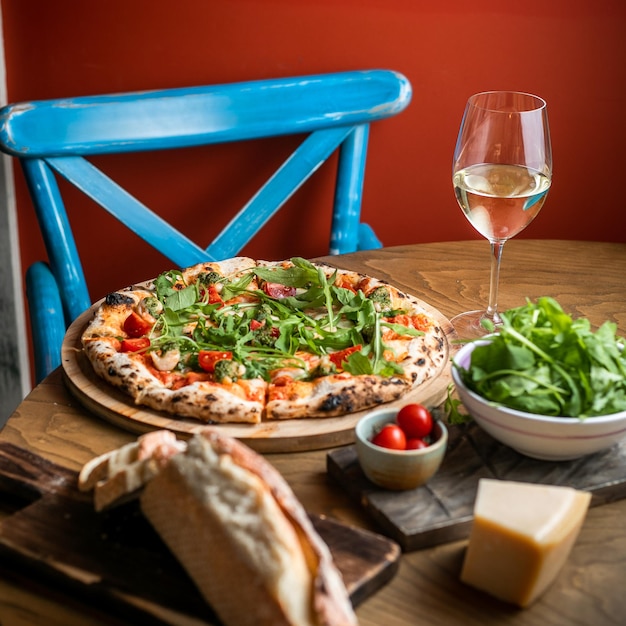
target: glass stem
<point>496,256</point>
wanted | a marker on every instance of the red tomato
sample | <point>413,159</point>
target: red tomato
<point>419,321</point>
<point>208,358</point>
<point>135,344</point>
<point>415,420</point>
<point>344,283</point>
<point>255,324</point>
<point>415,444</point>
<point>211,294</point>
<point>214,296</point>
<point>390,436</point>
<point>277,290</point>
<point>136,326</point>
<point>342,355</point>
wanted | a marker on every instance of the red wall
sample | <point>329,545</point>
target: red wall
<point>571,52</point>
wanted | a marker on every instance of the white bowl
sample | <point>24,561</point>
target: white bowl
<point>538,436</point>
<point>397,469</point>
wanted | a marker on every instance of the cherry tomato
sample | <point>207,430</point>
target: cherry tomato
<point>390,436</point>
<point>342,355</point>
<point>278,290</point>
<point>136,326</point>
<point>415,420</point>
<point>415,444</point>
<point>214,295</point>
<point>135,344</point>
<point>255,324</point>
<point>208,358</point>
<point>419,321</point>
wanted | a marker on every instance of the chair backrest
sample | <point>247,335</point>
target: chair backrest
<point>55,137</point>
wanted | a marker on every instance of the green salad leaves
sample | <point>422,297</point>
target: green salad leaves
<point>544,362</point>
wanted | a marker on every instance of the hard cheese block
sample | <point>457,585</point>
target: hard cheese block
<point>521,536</point>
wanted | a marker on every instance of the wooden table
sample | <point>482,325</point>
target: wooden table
<point>588,279</point>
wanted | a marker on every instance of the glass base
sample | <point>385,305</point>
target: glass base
<point>468,325</point>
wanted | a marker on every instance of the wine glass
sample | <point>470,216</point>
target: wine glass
<point>501,173</point>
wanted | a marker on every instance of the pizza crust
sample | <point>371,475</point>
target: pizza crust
<point>332,396</point>
<point>206,401</point>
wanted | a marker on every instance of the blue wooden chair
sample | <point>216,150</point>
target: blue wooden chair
<point>54,137</point>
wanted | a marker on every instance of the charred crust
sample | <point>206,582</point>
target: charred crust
<point>116,298</point>
<point>392,381</point>
<point>355,397</point>
<point>335,401</point>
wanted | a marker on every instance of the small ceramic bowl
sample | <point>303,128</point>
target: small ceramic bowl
<point>397,469</point>
<point>538,436</point>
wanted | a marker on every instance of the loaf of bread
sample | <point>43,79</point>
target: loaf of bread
<point>119,475</point>
<point>238,529</point>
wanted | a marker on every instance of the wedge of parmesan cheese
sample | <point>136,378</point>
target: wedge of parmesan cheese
<point>521,536</point>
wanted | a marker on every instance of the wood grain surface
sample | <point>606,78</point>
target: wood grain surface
<point>118,561</point>
<point>588,279</point>
<point>441,511</point>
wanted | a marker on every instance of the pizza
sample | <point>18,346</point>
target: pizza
<point>243,341</point>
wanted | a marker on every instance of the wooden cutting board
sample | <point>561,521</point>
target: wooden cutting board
<point>116,563</point>
<point>109,403</point>
<point>441,511</point>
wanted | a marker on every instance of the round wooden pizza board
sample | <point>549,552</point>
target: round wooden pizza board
<point>109,403</point>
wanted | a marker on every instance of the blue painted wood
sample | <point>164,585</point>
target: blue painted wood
<point>344,235</point>
<point>47,319</point>
<point>128,210</point>
<point>200,115</point>
<point>53,137</point>
<point>57,235</point>
<point>279,188</point>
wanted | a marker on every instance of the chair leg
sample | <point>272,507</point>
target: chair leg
<point>46,318</point>
<point>367,238</point>
<point>349,191</point>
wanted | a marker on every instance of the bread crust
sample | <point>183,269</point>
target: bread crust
<point>119,475</point>
<point>245,539</point>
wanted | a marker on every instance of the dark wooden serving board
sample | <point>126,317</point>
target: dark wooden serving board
<point>441,511</point>
<point>115,562</point>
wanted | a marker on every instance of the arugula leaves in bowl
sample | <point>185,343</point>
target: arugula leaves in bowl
<point>543,361</point>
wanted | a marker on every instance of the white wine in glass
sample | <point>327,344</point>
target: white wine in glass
<point>501,173</point>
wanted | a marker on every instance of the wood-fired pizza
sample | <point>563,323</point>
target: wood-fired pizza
<point>245,341</point>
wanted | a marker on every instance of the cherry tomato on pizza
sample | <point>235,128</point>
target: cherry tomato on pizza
<point>342,355</point>
<point>418,321</point>
<point>208,358</point>
<point>214,295</point>
<point>415,420</point>
<point>135,344</point>
<point>136,326</point>
<point>390,436</point>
